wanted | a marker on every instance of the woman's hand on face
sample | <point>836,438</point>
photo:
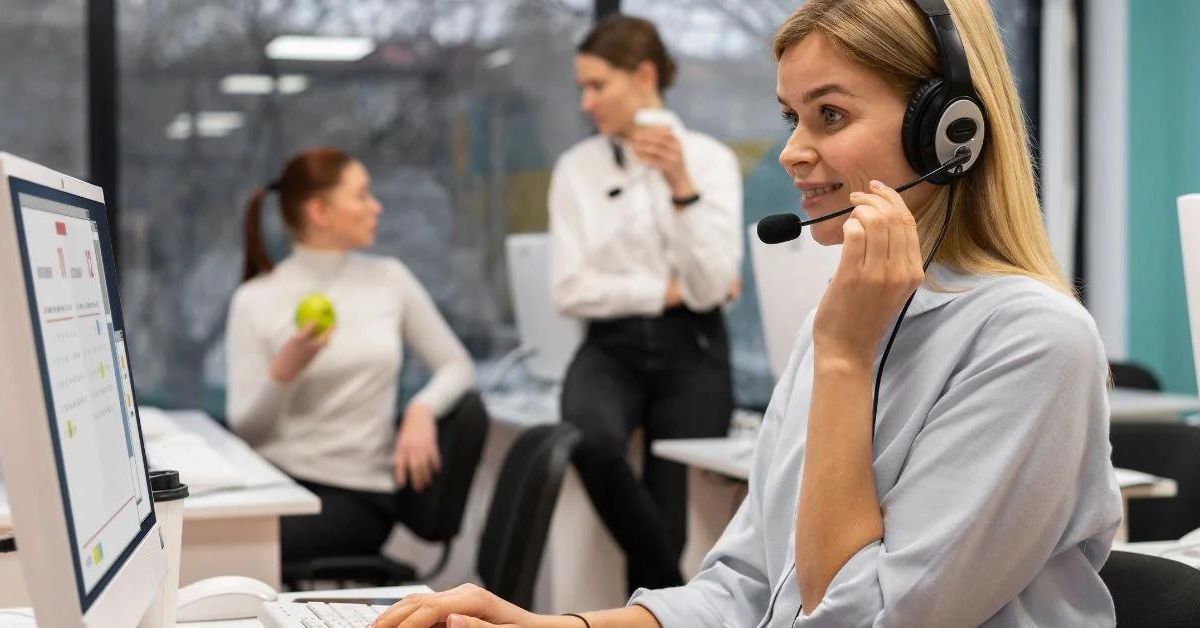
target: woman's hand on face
<point>467,606</point>
<point>658,146</point>
<point>673,296</point>
<point>880,268</point>
<point>416,455</point>
<point>298,352</point>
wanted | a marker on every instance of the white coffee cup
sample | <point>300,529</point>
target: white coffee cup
<point>169,495</point>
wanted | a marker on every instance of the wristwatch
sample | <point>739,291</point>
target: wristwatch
<point>684,201</point>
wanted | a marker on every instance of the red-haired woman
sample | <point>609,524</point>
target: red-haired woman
<point>321,404</point>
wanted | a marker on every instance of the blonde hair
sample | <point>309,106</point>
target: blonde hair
<point>997,224</point>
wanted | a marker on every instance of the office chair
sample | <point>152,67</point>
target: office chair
<point>518,521</point>
<point>435,514</point>
<point>1133,375</point>
<point>1152,591</point>
<point>1168,450</point>
<point>1165,449</point>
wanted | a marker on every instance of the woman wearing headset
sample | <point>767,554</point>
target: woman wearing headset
<point>645,219</point>
<point>983,493</point>
<point>321,404</point>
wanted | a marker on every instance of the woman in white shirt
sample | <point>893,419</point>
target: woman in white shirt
<point>981,491</point>
<point>321,405</point>
<point>646,221</point>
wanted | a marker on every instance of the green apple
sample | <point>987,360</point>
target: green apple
<point>315,308</point>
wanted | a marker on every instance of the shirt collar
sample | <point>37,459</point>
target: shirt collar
<point>942,285</point>
<point>323,262</point>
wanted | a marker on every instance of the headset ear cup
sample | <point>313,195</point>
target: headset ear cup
<point>915,134</point>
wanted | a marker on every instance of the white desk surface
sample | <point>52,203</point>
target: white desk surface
<point>526,407</point>
<point>732,457</point>
<point>1131,405</point>
<point>382,592</point>
<point>271,493</point>
<point>523,407</point>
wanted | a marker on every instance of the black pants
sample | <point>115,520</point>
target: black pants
<point>350,523</point>
<point>669,375</point>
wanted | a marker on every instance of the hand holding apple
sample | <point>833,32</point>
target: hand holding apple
<point>298,352</point>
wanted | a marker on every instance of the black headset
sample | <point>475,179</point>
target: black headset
<point>944,113</point>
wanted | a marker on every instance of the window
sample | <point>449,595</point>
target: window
<point>43,45</point>
<point>458,110</point>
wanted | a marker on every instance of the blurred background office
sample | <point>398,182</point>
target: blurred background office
<point>458,107</point>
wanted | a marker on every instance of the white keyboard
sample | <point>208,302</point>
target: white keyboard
<point>317,615</point>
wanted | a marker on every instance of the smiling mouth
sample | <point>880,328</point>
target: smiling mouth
<point>814,193</point>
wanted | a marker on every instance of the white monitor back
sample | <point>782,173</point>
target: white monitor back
<point>790,279</point>
<point>550,338</point>
<point>1189,235</point>
<point>32,472</point>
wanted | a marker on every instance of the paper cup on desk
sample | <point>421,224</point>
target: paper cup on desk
<point>169,494</point>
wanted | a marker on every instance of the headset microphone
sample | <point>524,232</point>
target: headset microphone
<point>778,228</point>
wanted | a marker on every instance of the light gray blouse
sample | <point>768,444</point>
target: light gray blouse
<point>991,461</point>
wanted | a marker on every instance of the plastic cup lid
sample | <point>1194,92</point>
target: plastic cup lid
<point>166,486</point>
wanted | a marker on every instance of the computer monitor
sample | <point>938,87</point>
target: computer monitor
<point>790,278</point>
<point>548,339</point>
<point>1188,206</point>
<point>74,464</point>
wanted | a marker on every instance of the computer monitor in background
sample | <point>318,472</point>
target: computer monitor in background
<point>548,339</point>
<point>790,279</point>
<point>1189,235</point>
<point>74,464</point>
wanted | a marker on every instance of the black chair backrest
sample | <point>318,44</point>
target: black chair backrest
<point>436,513</point>
<point>1133,375</point>
<point>1170,450</point>
<point>1152,591</point>
<point>514,537</point>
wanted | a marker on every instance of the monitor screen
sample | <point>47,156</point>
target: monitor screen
<point>70,276</point>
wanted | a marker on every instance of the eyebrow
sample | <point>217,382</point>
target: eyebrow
<point>817,92</point>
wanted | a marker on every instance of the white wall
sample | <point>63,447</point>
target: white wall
<point>1107,171</point>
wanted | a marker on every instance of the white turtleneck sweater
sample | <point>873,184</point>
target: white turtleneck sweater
<point>335,423</point>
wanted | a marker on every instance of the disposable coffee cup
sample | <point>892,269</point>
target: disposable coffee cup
<point>169,494</point>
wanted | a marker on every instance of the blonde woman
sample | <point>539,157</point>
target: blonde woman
<point>980,492</point>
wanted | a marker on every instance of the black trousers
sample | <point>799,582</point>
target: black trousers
<point>669,375</point>
<point>350,523</point>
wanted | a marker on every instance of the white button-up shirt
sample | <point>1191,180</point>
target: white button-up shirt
<point>615,253</point>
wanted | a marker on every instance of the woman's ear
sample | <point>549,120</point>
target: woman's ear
<point>316,212</point>
<point>646,76</point>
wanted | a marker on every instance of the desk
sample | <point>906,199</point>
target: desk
<point>711,502</point>
<point>227,532</point>
<point>1128,405</point>
<point>388,592</point>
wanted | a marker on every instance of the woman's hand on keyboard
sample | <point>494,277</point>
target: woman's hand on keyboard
<point>298,352</point>
<point>466,606</point>
<point>416,456</point>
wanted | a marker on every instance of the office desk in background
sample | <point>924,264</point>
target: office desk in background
<point>719,467</point>
<point>234,531</point>
<point>1129,405</point>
